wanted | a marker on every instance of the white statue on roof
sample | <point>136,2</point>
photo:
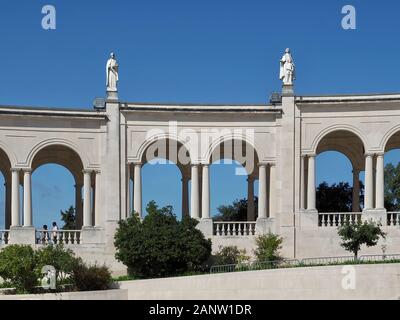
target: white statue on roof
<point>112,73</point>
<point>287,69</point>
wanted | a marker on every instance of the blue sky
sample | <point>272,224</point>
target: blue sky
<point>190,51</point>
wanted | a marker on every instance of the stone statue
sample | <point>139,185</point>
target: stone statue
<point>112,74</point>
<point>287,71</point>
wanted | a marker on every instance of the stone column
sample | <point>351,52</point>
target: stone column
<point>302,183</point>
<point>15,198</point>
<point>137,189</point>
<point>250,199</point>
<point>27,199</point>
<point>87,214</point>
<point>194,203</point>
<point>185,196</point>
<point>311,192</point>
<point>205,194</point>
<point>78,206</point>
<point>368,202</point>
<point>262,191</point>
<point>272,191</point>
<point>356,191</point>
<point>97,198</point>
<point>7,205</point>
<point>380,183</point>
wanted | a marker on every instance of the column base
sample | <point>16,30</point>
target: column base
<point>92,235</point>
<point>206,226</point>
<point>376,215</point>
<point>309,218</point>
<point>22,235</point>
<point>265,226</point>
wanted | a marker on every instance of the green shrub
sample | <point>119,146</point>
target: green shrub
<point>91,277</point>
<point>230,255</point>
<point>63,260</point>
<point>160,245</point>
<point>268,247</point>
<point>17,267</point>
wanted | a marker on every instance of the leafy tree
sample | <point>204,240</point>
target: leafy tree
<point>17,266</point>
<point>355,235</point>
<point>268,247</point>
<point>160,245</point>
<point>392,187</point>
<point>69,218</point>
<point>236,211</point>
<point>336,197</point>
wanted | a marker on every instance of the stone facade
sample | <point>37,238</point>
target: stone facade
<point>277,144</point>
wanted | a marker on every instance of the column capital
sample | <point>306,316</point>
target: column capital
<point>272,164</point>
<point>87,171</point>
<point>27,170</point>
<point>97,171</point>
<point>15,169</point>
<point>380,154</point>
<point>262,164</point>
<point>368,154</point>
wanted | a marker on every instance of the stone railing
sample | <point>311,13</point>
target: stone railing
<point>393,218</point>
<point>60,236</point>
<point>227,228</point>
<point>335,219</point>
<point>4,236</point>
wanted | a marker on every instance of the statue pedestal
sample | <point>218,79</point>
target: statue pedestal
<point>22,235</point>
<point>287,90</point>
<point>206,226</point>
<point>112,95</point>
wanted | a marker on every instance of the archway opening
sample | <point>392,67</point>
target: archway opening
<point>234,181</point>
<point>57,182</point>
<point>392,179</point>
<point>339,184</point>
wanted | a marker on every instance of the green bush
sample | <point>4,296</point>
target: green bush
<point>63,260</point>
<point>160,245</point>
<point>268,247</point>
<point>230,255</point>
<point>17,266</point>
<point>91,277</point>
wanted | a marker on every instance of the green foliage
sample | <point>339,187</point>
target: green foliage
<point>63,260</point>
<point>392,187</point>
<point>91,277</point>
<point>69,218</point>
<point>236,211</point>
<point>355,235</point>
<point>336,197</point>
<point>160,245</point>
<point>230,255</point>
<point>17,266</point>
<point>268,247</point>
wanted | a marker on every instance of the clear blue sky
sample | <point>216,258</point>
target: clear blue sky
<point>190,51</point>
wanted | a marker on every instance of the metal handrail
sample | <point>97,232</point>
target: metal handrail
<point>288,263</point>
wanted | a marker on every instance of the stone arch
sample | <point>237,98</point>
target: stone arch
<point>337,128</point>
<point>391,140</point>
<point>216,149</point>
<point>57,143</point>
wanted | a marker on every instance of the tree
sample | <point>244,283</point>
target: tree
<point>268,246</point>
<point>237,211</point>
<point>160,245</point>
<point>392,187</point>
<point>69,218</point>
<point>355,235</point>
<point>336,197</point>
<point>230,255</point>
